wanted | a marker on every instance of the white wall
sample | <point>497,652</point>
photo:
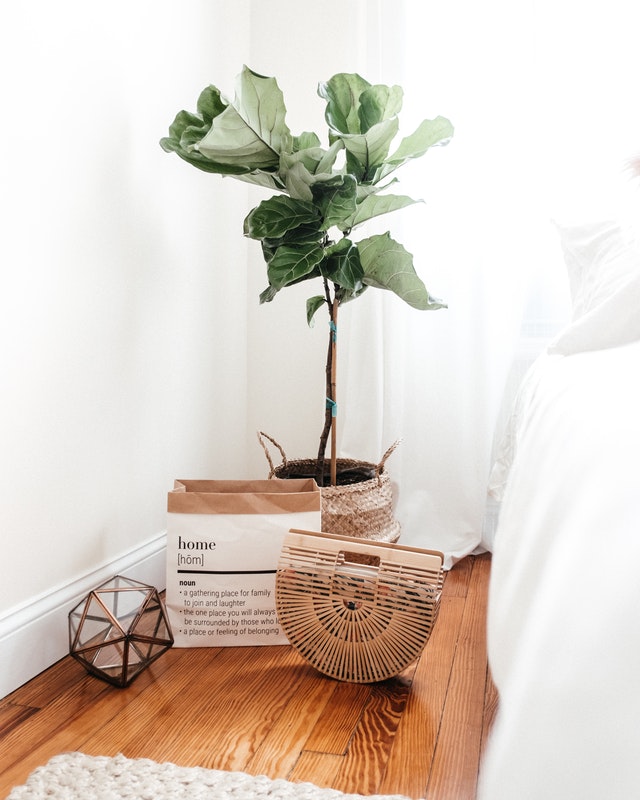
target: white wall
<point>123,356</point>
<point>132,347</point>
<point>115,318</point>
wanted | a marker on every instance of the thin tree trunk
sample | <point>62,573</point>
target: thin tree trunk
<point>333,395</point>
<point>330,392</point>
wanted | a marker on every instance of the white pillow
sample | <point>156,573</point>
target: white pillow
<point>603,264</point>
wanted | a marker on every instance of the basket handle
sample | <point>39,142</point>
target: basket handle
<point>262,435</point>
<point>272,469</point>
<point>388,452</point>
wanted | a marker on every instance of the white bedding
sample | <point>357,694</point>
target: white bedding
<point>564,607</point>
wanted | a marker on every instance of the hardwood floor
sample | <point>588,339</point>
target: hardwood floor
<point>264,710</point>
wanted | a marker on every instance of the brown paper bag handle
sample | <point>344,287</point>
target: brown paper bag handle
<point>272,469</point>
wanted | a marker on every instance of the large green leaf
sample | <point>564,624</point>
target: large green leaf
<point>218,139</point>
<point>342,93</point>
<point>303,169</point>
<point>378,103</point>
<point>269,293</point>
<point>305,141</point>
<point>309,156</point>
<point>298,180</point>
<point>305,234</point>
<point>344,295</point>
<point>314,304</point>
<point>375,205</point>
<point>343,267</point>
<point>328,160</point>
<point>252,131</point>
<point>387,265</point>
<point>365,189</point>
<point>429,133</point>
<point>370,149</point>
<point>272,218</point>
<point>336,200</point>
<point>231,142</point>
<point>292,264</point>
<point>185,131</point>
<point>268,180</point>
<point>210,103</point>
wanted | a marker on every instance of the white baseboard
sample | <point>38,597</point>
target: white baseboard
<point>35,635</point>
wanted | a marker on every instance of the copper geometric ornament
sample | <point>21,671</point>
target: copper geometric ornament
<point>119,629</point>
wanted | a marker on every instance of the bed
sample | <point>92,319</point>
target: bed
<point>564,599</point>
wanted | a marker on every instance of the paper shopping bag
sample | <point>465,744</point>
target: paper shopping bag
<point>223,544</point>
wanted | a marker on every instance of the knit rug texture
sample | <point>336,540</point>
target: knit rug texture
<point>76,776</point>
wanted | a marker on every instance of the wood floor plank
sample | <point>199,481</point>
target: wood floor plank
<point>335,727</point>
<point>410,759</point>
<point>29,746</point>
<point>59,678</point>
<point>222,720</point>
<point>238,721</point>
<point>281,748</point>
<point>317,768</point>
<point>11,716</point>
<point>456,582</point>
<point>63,704</point>
<point>128,731</point>
<point>365,762</point>
<point>454,771</point>
<point>85,693</point>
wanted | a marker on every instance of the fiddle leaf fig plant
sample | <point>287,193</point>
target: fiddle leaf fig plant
<point>322,193</point>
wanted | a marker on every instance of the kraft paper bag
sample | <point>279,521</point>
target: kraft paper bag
<point>223,544</point>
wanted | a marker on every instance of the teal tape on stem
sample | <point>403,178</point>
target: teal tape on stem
<point>334,330</point>
<point>333,406</point>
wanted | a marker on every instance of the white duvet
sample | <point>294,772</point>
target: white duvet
<point>564,608</point>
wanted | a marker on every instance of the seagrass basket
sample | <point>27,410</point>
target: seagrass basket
<point>352,621</point>
<point>357,507</point>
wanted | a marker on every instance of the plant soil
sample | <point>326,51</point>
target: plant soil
<point>344,477</point>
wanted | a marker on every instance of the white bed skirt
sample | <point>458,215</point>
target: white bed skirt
<point>564,608</point>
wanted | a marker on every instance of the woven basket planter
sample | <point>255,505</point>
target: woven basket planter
<point>354,622</point>
<point>362,508</point>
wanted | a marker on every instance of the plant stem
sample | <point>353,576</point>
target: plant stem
<point>330,392</point>
<point>333,395</point>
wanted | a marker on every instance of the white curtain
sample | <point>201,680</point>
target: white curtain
<point>542,100</point>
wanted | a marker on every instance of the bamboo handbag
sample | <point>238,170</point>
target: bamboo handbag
<point>354,621</point>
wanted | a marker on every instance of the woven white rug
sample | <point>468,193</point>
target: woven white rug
<point>75,776</point>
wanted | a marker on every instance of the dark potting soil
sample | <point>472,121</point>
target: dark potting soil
<point>344,477</point>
